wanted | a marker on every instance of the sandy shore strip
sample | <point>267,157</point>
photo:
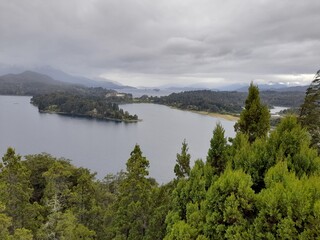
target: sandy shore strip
<point>218,115</point>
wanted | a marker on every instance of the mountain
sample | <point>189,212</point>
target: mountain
<point>31,83</point>
<point>5,69</point>
<point>276,87</point>
<point>68,78</point>
<point>293,89</point>
<point>233,87</point>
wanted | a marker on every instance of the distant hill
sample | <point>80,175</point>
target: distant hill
<point>31,83</point>
<point>68,78</point>
<point>226,101</point>
<point>293,89</point>
<point>276,87</point>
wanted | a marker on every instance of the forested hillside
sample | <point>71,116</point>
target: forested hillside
<point>31,83</point>
<point>225,102</point>
<point>258,185</point>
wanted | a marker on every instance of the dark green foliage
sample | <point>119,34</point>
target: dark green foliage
<point>217,157</point>
<point>291,142</point>
<point>92,105</point>
<point>223,102</point>
<point>255,117</point>
<point>230,207</point>
<point>253,158</point>
<point>16,189</point>
<point>287,142</point>
<point>38,165</point>
<point>182,167</point>
<point>310,111</point>
<point>259,193</point>
<point>187,217</point>
<point>132,208</point>
<point>159,208</point>
<point>289,207</point>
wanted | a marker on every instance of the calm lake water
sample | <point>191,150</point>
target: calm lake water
<point>104,147</point>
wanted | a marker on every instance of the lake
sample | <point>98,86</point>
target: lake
<point>105,146</point>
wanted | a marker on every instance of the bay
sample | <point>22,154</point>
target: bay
<point>105,146</point>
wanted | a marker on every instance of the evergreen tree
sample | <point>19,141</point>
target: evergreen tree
<point>22,234</point>
<point>64,226</point>
<point>216,157</point>
<point>160,206</point>
<point>229,207</point>
<point>5,223</point>
<point>186,219</point>
<point>16,191</point>
<point>290,142</point>
<point>83,197</point>
<point>132,208</point>
<point>310,111</point>
<point>182,167</point>
<point>289,207</point>
<point>255,117</point>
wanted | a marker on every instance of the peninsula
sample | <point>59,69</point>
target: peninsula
<point>96,106</point>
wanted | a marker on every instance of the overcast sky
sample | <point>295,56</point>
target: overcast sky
<point>151,43</point>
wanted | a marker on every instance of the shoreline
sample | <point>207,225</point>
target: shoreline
<point>228,117</point>
<point>90,117</point>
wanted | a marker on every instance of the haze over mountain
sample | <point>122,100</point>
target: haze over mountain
<point>31,83</point>
<point>65,77</point>
<point>62,76</point>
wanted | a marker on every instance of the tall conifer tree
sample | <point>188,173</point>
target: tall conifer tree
<point>255,117</point>
<point>182,167</point>
<point>217,152</point>
<point>310,111</point>
<point>132,207</point>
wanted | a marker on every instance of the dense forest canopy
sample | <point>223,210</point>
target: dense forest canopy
<point>266,187</point>
<point>224,102</point>
<point>94,103</point>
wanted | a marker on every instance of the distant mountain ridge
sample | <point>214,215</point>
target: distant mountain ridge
<point>31,83</point>
<point>276,87</point>
<point>29,77</point>
<point>62,76</point>
<point>68,78</point>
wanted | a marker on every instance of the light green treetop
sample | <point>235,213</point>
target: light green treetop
<point>255,117</point>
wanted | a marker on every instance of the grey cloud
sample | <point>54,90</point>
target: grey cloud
<point>234,40</point>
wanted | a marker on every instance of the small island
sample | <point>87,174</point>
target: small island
<point>102,107</point>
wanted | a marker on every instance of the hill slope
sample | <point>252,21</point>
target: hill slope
<point>31,83</point>
<point>68,78</point>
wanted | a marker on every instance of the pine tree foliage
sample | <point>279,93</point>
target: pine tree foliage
<point>133,206</point>
<point>310,111</point>
<point>230,207</point>
<point>255,117</point>
<point>217,153</point>
<point>182,167</point>
<point>16,190</point>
